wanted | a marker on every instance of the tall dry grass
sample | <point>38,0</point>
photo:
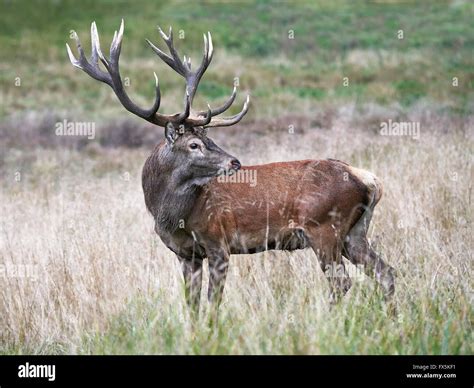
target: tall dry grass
<point>83,272</point>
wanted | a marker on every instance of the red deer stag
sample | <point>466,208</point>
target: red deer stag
<point>322,204</point>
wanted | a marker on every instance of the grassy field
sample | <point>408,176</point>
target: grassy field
<point>81,269</point>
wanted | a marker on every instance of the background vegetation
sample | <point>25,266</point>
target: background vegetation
<point>99,280</point>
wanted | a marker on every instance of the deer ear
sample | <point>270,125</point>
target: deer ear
<point>170,133</point>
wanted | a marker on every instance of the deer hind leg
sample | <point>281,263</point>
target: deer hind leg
<point>328,250</point>
<point>192,272</point>
<point>358,251</point>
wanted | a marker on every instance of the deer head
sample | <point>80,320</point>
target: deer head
<point>188,150</point>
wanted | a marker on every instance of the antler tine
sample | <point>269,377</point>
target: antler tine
<point>92,69</point>
<point>202,121</point>
<point>96,46</point>
<point>116,45</point>
<point>227,121</point>
<point>174,61</point>
<point>208,53</point>
<point>165,57</point>
<point>182,117</point>
<point>194,78</point>
<point>112,76</point>
<point>226,105</point>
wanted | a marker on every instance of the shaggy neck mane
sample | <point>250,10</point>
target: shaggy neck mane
<point>168,199</point>
<point>175,208</point>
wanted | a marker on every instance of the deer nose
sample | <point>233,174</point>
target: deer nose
<point>235,164</point>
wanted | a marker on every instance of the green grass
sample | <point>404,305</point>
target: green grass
<point>410,90</point>
<point>361,325</point>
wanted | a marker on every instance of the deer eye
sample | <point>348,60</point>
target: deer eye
<point>193,146</point>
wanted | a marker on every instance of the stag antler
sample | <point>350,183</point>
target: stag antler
<point>113,79</point>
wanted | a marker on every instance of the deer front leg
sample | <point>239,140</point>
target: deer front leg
<point>192,271</point>
<point>218,265</point>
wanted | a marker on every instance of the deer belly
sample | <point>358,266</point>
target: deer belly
<point>287,240</point>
